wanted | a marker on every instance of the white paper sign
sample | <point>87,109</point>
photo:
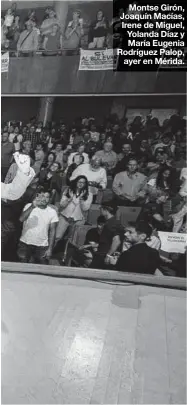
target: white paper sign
<point>172,242</point>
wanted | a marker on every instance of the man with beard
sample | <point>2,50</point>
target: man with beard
<point>139,258</point>
<point>111,237</point>
<point>39,227</point>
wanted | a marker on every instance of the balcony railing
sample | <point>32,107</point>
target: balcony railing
<point>38,74</point>
<point>72,52</point>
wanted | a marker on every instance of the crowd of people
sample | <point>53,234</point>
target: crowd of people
<point>48,36</point>
<point>30,35</point>
<point>119,163</point>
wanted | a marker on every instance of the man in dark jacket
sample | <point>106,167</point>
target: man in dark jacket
<point>139,258</point>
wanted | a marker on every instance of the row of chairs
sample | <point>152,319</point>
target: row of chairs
<point>76,235</point>
<point>124,214</point>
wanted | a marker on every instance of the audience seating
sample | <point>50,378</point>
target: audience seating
<point>126,214</point>
<point>93,214</point>
<point>79,234</point>
<point>107,195</point>
<point>109,182</point>
<point>99,197</point>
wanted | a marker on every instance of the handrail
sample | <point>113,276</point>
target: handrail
<point>76,52</point>
<point>95,274</point>
<point>60,51</point>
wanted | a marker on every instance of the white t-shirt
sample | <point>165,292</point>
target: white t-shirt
<point>72,155</point>
<point>36,227</point>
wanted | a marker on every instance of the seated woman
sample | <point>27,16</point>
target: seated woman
<point>73,33</point>
<point>159,190</point>
<point>48,161</point>
<point>75,202</point>
<point>98,31</point>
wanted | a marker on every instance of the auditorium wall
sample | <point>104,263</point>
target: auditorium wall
<point>23,108</point>
<point>19,108</point>
<point>61,75</point>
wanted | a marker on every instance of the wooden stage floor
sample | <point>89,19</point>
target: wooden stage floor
<point>70,341</point>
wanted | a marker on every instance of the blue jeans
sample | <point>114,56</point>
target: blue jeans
<point>32,254</point>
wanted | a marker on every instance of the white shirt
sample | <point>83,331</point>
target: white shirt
<point>154,243</point>
<point>72,155</point>
<point>36,227</point>
<point>75,207</point>
<point>94,136</point>
<point>129,187</point>
<point>13,191</point>
<point>98,176</point>
<point>50,144</point>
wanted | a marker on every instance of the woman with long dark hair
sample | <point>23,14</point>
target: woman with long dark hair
<point>162,187</point>
<point>75,202</point>
<point>160,190</point>
<point>48,161</point>
<point>77,161</point>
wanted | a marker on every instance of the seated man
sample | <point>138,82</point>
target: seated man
<point>110,238</point>
<point>39,226</point>
<point>108,157</point>
<point>24,175</point>
<point>86,252</point>
<point>139,258</point>
<point>128,185</point>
